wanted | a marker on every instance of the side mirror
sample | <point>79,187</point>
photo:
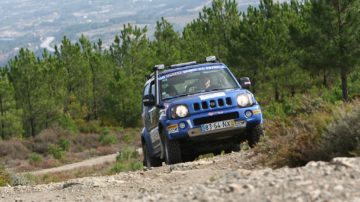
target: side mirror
<point>245,82</point>
<point>149,100</point>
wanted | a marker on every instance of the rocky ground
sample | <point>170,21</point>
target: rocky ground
<point>231,177</point>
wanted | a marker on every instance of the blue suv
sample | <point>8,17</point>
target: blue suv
<point>195,108</point>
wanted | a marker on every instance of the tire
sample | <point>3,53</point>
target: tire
<point>232,148</point>
<point>188,157</point>
<point>148,160</point>
<point>172,150</point>
<point>254,134</point>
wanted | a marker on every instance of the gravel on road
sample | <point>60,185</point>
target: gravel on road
<point>231,177</point>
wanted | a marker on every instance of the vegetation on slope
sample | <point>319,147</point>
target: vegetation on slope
<point>326,132</point>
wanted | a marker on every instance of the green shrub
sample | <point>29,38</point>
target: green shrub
<point>105,131</point>
<point>56,151</point>
<point>109,139</point>
<point>64,144</point>
<point>4,176</point>
<point>127,160</point>
<point>119,129</point>
<point>35,158</point>
<point>67,123</point>
<point>293,106</point>
<point>128,138</point>
<point>126,166</point>
<point>127,154</point>
<point>89,127</point>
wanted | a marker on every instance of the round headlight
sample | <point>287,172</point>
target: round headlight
<point>244,100</point>
<point>181,111</point>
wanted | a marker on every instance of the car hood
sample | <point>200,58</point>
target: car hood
<point>205,96</point>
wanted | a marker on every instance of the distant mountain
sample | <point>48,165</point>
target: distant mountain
<point>38,24</point>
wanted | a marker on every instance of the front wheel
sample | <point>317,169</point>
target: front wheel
<point>232,148</point>
<point>148,160</point>
<point>254,134</point>
<point>172,150</point>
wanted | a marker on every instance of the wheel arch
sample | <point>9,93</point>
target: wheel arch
<point>145,139</point>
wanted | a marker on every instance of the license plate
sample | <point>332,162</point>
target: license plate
<point>217,125</point>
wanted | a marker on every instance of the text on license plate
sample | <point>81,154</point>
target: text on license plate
<point>217,125</point>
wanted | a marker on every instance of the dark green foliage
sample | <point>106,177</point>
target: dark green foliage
<point>10,116</point>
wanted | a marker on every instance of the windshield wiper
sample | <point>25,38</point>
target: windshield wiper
<point>176,96</point>
<point>216,89</point>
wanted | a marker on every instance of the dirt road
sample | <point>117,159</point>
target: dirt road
<point>230,177</point>
<point>87,163</point>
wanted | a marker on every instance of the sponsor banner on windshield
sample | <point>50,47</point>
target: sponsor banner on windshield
<point>190,71</point>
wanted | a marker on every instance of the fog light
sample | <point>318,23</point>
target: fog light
<point>182,125</point>
<point>248,114</point>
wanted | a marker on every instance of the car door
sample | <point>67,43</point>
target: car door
<point>145,109</point>
<point>153,113</point>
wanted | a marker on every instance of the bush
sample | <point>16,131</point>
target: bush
<point>56,151</point>
<point>89,127</point>
<point>83,141</point>
<point>47,137</point>
<point>67,123</point>
<point>128,138</point>
<point>300,104</point>
<point>107,138</point>
<point>35,159</point>
<point>121,166</point>
<point>127,160</point>
<point>64,144</point>
<point>342,137</point>
<point>127,154</point>
<point>4,176</point>
<point>320,135</point>
<point>13,149</point>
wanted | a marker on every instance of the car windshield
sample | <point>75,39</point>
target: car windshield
<point>194,81</point>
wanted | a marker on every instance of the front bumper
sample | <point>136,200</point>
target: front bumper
<point>186,128</point>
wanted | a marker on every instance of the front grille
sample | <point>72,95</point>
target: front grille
<point>221,102</point>
<point>220,117</point>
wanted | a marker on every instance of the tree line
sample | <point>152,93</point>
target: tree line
<point>286,49</point>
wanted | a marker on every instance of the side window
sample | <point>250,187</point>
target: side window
<point>152,88</point>
<point>146,90</point>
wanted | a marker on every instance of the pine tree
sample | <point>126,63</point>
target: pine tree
<point>27,76</point>
<point>334,34</point>
<point>10,116</point>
